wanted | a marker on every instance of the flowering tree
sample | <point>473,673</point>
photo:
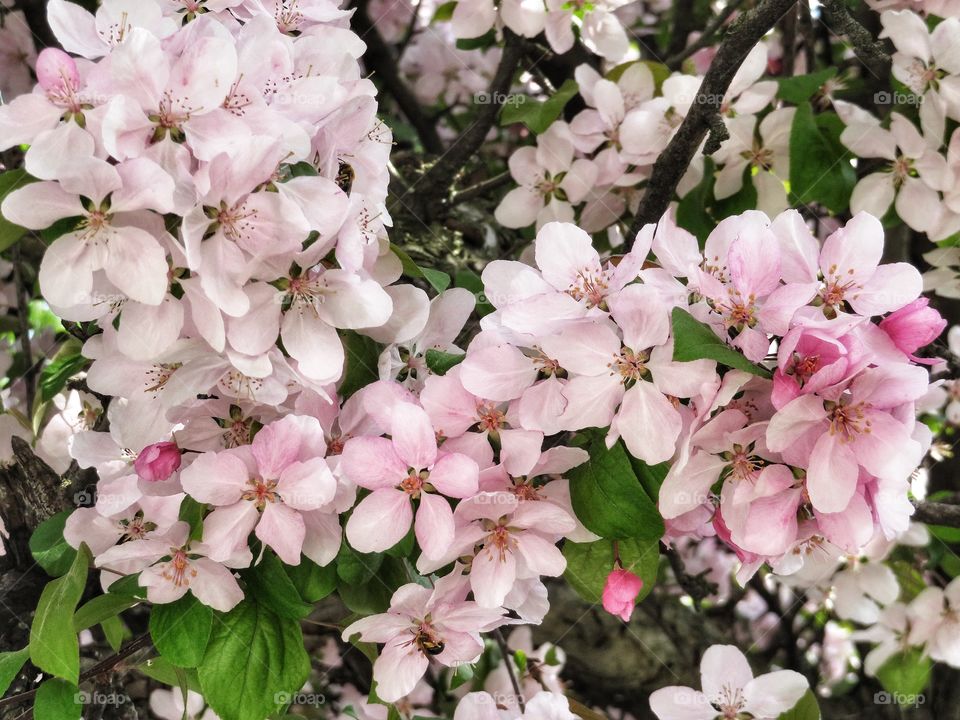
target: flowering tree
<point>479,360</point>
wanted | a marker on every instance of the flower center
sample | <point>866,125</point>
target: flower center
<point>261,492</point>
<point>589,286</point>
<point>178,570</point>
<point>848,421</point>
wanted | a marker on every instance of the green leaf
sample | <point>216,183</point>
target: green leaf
<point>462,674</point>
<point>253,656</point>
<point>374,595</point>
<point>360,366</point>
<point>906,673</point>
<point>165,672</point>
<point>444,12</point>
<point>11,663</point>
<point>65,364</point>
<point>819,167</point>
<point>588,565</point>
<point>53,641</point>
<point>57,700</point>
<point>650,476</point>
<point>313,582</point>
<point>269,583</point>
<point>692,340</point>
<point>10,181</point>
<point>115,632</point>
<point>806,709</point>
<point>49,548</point>
<point>355,568</point>
<point>469,280</point>
<point>537,115</point>
<point>745,199</point>
<point>609,499</point>
<point>440,281</point>
<point>181,630</point>
<point>440,362</point>
<point>692,213</point>
<point>909,578</point>
<point>101,608</point>
<point>129,585</point>
<point>191,512</point>
<point>800,88</point>
<point>476,43</point>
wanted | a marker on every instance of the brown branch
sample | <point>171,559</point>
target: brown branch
<point>23,322</point>
<point>438,180</point>
<point>505,651</point>
<point>704,113</point>
<point>937,513</point>
<point>864,45</point>
<point>379,59</point>
<point>481,188</point>
<point>100,668</point>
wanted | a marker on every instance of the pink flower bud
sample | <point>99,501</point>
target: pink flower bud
<point>620,593</point>
<point>57,71</point>
<point>913,326</point>
<point>157,462</point>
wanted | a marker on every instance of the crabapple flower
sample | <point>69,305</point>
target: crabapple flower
<point>158,461</point>
<point>729,690</point>
<point>422,624</point>
<point>400,470</point>
<point>620,593</point>
<point>543,705</point>
<point>268,486</point>
<point>187,568</point>
<point>935,622</point>
<point>914,326</point>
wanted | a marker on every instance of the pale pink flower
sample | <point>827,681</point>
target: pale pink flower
<point>399,470</point>
<point>423,624</point>
<point>729,689</point>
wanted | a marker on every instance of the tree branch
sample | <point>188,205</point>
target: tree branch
<point>379,59</point>
<point>864,45</point>
<point>481,188</point>
<point>937,513</point>
<point>705,111</point>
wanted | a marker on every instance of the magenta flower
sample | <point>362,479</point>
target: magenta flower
<point>620,593</point>
<point>157,462</point>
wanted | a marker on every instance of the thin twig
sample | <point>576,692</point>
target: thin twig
<point>505,651</point>
<point>100,668</point>
<point>864,45</point>
<point>937,513</point>
<point>481,188</point>
<point>704,113</point>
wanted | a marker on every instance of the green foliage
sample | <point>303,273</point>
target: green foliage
<point>313,582</point>
<point>538,115</point>
<point>588,564</point>
<point>53,641</point>
<point>608,498</point>
<point>906,673</point>
<point>695,341</point>
<point>253,656</point>
<point>444,11</point>
<point>181,630</point>
<point>11,663</point>
<point>488,39</point>
<point>440,362</point>
<point>9,181</point>
<point>65,364</point>
<point>269,583</point>
<point>101,608</point>
<point>440,281</point>
<point>798,89</point>
<point>49,548</point>
<point>806,709</point>
<point>819,167</point>
<point>57,700</point>
<point>360,364</point>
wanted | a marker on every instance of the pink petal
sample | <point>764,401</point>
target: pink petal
<point>307,485</point>
<point>372,462</point>
<point>380,521</point>
<point>455,475</point>
<point>434,525</point>
<point>282,529</point>
<point>414,438</point>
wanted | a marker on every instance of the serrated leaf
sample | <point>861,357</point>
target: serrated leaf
<point>57,700</point>
<point>692,340</point>
<point>49,548</point>
<point>181,630</point>
<point>53,641</point>
<point>11,663</point>
<point>254,656</point>
<point>588,565</point>
<point>269,583</point>
<point>440,362</point>
<point>608,497</point>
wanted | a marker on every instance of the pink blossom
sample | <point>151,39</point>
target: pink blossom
<point>914,326</point>
<point>158,461</point>
<point>620,593</point>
